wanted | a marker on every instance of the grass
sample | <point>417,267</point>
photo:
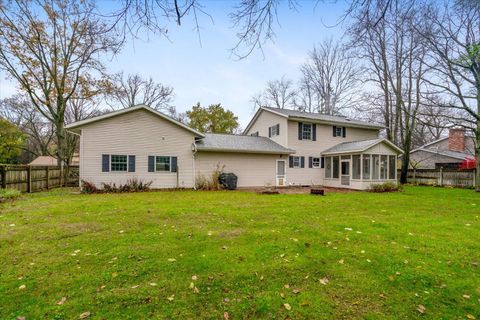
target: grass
<point>133,256</point>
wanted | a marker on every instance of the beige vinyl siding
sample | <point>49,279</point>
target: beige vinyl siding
<point>308,148</point>
<point>138,133</point>
<point>252,170</point>
<point>268,119</point>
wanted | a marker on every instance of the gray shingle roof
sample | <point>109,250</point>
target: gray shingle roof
<point>325,118</point>
<point>356,146</point>
<point>448,153</point>
<point>240,143</point>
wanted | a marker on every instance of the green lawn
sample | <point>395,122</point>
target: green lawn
<point>239,255</point>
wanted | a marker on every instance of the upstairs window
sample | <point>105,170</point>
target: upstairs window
<point>255,134</point>
<point>274,130</point>
<point>307,131</point>
<point>339,131</point>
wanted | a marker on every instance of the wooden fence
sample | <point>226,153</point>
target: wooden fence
<point>442,177</point>
<point>35,178</point>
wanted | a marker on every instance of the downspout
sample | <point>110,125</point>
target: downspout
<point>194,149</point>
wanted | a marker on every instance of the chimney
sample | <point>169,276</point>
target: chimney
<point>456,139</point>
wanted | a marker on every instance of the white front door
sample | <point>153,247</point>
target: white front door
<point>281,165</point>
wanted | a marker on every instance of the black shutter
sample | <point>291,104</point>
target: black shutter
<point>322,160</point>
<point>131,163</point>
<point>290,161</point>
<point>334,131</point>
<point>310,162</point>
<point>278,128</point>
<point>105,163</point>
<point>302,162</point>
<point>269,132</point>
<point>151,163</point>
<point>300,127</point>
<point>344,133</point>
<point>314,132</point>
<point>174,164</point>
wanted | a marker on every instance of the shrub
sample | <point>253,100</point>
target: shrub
<point>9,194</point>
<point>210,183</point>
<point>132,185</point>
<point>385,187</point>
<point>88,187</point>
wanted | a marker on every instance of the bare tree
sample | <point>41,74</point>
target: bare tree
<point>330,71</point>
<point>49,48</point>
<point>453,37</point>
<point>278,93</point>
<point>133,90</point>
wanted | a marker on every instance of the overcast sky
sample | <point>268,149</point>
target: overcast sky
<point>209,73</point>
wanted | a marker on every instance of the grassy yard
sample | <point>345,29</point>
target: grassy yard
<point>239,255</point>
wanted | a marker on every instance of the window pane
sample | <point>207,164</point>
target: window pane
<point>306,131</point>
<point>316,162</point>
<point>328,167</point>
<point>366,166</point>
<point>162,164</point>
<point>376,166</point>
<point>338,131</point>
<point>383,167</point>
<point>335,166</point>
<point>296,161</point>
<point>392,174</point>
<point>118,163</point>
<point>356,167</point>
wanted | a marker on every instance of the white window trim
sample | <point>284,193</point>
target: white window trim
<point>303,131</point>
<point>118,171</point>
<point>319,162</point>
<point>162,171</point>
<point>299,162</point>
<point>273,131</point>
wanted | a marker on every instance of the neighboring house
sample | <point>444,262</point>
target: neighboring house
<point>447,152</point>
<point>52,161</point>
<point>279,147</point>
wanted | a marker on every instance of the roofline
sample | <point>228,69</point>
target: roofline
<point>346,124</point>
<point>441,153</point>
<point>366,148</point>
<point>257,113</point>
<point>428,144</point>
<point>288,151</point>
<point>112,114</point>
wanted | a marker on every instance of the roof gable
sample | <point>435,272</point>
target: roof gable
<point>257,114</point>
<point>76,126</point>
<point>359,146</point>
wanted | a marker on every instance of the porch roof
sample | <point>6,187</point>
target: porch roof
<point>359,146</point>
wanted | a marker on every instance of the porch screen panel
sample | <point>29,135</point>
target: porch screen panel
<point>392,172</point>
<point>328,167</point>
<point>366,166</point>
<point>336,167</point>
<point>356,167</point>
<point>375,166</point>
<point>383,167</point>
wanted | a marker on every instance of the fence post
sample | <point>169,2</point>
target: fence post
<point>29,179</point>
<point>47,172</point>
<point>441,176</point>
<point>3,176</point>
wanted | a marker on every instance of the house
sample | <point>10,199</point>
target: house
<point>52,161</point>
<point>446,152</point>
<point>278,148</point>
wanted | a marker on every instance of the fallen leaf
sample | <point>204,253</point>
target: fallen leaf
<point>114,274</point>
<point>226,316</point>
<point>324,280</point>
<point>171,297</point>
<point>195,290</point>
<point>421,308</point>
<point>21,318</point>
<point>84,315</point>
<point>341,261</point>
<point>172,260</point>
<point>296,291</point>
<point>286,286</point>
<point>22,287</point>
<point>282,295</point>
<point>287,306</point>
<point>192,285</point>
<point>135,287</point>
<point>194,278</point>
<point>470,316</point>
<point>282,255</point>
<point>62,301</point>
<point>153,284</point>
<point>466,296</point>
<point>348,229</point>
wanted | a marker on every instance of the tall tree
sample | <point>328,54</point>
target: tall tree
<point>49,48</point>
<point>213,119</point>
<point>278,94</point>
<point>133,90</point>
<point>11,141</point>
<point>330,71</point>
<point>453,37</point>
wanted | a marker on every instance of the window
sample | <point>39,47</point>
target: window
<point>339,131</point>
<point>383,167</point>
<point>375,166</point>
<point>356,166</point>
<point>316,162</point>
<point>328,167</point>
<point>255,134</point>
<point>118,162</point>
<point>336,167</point>
<point>275,130</point>
<point>307,131</point>
<point>162,164</point>
<point>366,167</point>
<point>392,172</point>
<point>296,161</point>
